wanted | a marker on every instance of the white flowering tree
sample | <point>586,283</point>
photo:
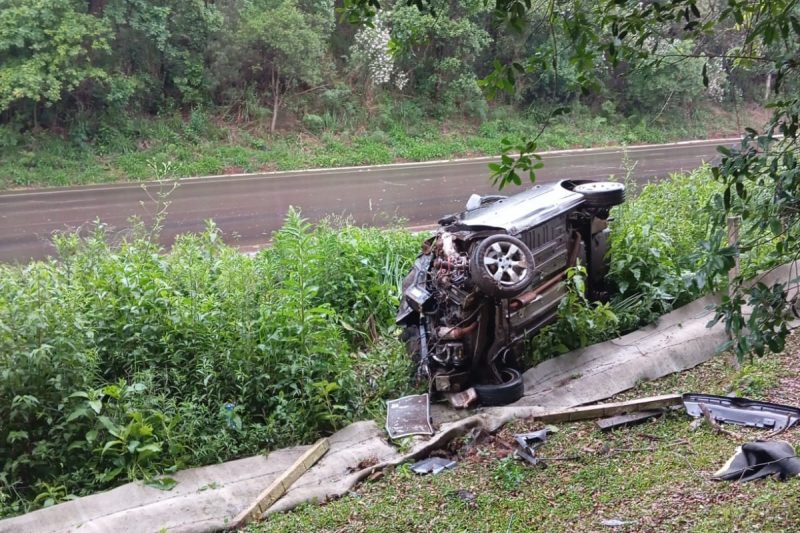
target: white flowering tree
<point>371,54</point>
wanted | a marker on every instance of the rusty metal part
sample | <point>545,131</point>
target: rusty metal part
<point>453,333</point>
<point>576,248</point>
<point>463,399</point>
<point>527,297</point>
<point>449,382</point>
<point>598,225</point>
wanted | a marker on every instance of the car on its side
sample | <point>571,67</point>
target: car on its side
<point>491,277</point>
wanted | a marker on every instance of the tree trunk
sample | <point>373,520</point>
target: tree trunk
<point>276,99</point>
<point>768,87</point>
<point>96,7</point>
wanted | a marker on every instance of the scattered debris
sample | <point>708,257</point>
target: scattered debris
<point>530,442</point>
<point>611,409</point>
<point>630,419</point>
<point>409,415</point>
<point>741,411</point>
<point>615,522</point>
<point>363,465</point>
<point>280,485</point>
<point>756,460</point>
<point>463,399</point>
<point>432,465</point>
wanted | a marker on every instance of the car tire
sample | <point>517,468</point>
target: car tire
<point>601,193</point>
<point>507,392</point>
<point>502,266</point>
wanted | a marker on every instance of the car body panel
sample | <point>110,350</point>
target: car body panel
<point>524,210</point>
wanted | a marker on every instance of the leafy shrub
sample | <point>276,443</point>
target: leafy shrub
<point>509,473</point>
<point>314,123</point>
<point>578,322</point>
<point>655,237</point>
<point>124,362</point>
<point>200,126</point>
<point>9,137</point>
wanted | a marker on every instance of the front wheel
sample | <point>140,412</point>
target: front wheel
<point>502,266</point>
<point>510,390</point>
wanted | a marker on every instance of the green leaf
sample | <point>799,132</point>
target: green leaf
<point>77,413</point>
<point>163,483</point>
<point>149,449</point>
<point>109,445</point>
<point>109,425</point>
<point>96,405</point>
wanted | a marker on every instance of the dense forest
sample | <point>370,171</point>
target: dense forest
<point>76,66</point>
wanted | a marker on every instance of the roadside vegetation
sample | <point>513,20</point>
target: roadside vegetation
<point>103,91</point>
<point>651,477</point>
<point>203,143</point>
<point>121,361</point>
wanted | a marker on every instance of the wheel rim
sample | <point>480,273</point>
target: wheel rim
<point>600,186</point>
<point>505,263</point>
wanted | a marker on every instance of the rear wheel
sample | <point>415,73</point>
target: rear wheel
<point>601,193</point>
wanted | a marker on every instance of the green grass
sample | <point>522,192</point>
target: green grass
<point>655,476</point>
<point>136,148</point>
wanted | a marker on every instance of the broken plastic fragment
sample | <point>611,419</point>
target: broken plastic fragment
<point>432,465</point>
<point>409,415</point>
<point>756,460</point>
<point>742,411</point>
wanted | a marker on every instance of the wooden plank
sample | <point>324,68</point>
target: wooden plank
<point>280,485</point>
<point>629,419</point>
<point>604,410</point>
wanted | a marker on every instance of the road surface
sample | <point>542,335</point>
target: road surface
<point>248,208</point>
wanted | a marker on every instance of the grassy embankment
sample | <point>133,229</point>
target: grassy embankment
<point>652,477</point>
<point>134,149</point>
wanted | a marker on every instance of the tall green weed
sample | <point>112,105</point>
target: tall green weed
<point>655,238</point>
<point>123,362</point>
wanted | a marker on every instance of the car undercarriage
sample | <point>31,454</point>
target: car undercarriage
<point>492,276</point>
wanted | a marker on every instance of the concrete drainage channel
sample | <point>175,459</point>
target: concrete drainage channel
<point>211,498</point>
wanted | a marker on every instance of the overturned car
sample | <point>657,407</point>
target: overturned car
<point>491,276</point>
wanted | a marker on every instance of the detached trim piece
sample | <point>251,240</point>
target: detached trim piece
<point>742,411</point>
<point>604,410</point>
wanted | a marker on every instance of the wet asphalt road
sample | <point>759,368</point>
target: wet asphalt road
<point>248,208</point>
